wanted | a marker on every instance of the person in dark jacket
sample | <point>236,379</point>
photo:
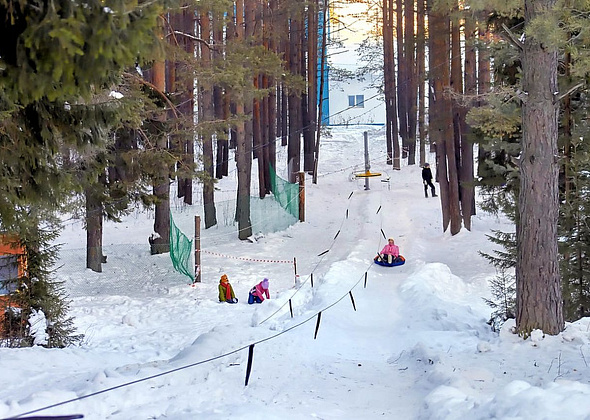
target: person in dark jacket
<point>427,180</point>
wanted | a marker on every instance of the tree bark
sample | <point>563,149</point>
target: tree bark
<point>538,288</point>
<point>409,50</point>
<point>207,114</point>
<point>94,214</point>
<point>420,77</point>
<point>440,115</point>
<point>467,182</point>
<point>402,87</point>
<point>160,244</point>
<point>243,148</point>
<point>391,126</point>
<point>294,147</point>
<point>455,140</point>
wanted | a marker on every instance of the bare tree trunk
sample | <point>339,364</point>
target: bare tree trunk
<point>440,115</point>
<point>323,69</point>
<point>420,77</point>
<point>402,86</point>
<point>454,141</point>
<point>466,179</point>
<point>272,84</point>
<point>538,288</point>
<point>284,46</point>
<point>483,73</point>
<point>308,139</point>
<point>221,167</point>
<point>294,147</point>
<point>208,113</point>
<point>243,148</point>
<point>186,106</point>
<point>312,79</point>
<point>161,188</point>
<point>94,214</point>
<point>409,50</point>
<point>391,130</point>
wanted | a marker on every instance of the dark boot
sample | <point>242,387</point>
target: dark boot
<point>426,192</point>
<point>434,193</point>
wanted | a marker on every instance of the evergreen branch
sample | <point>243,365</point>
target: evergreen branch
<point>566,93</point>
<point>194,38</point>
<point>158,91</point>
<point>513,38</point>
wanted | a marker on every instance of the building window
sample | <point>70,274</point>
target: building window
<point>8,273</point>
<point>356,101</point>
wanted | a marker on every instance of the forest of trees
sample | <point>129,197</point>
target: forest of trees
<point>104,106</point>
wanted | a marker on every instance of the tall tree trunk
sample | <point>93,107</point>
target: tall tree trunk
<point>308,139</point>
<point>420,77</point>
<point>391,127</point>
<point>186,107</point>
<point>538,288</point>
<point>221,167</point>
<point>243,147</point>
<point>312,73</point>
<point>94,214</point>
<point>323,79</point>
<point>467,182</point>
<point>272,96</point>
<point>454,142</point>
<point>483,74</point>
<point>207,113</point>
<point>161,242</point>
<point>409,50</point>
<point>402,86</point>
<point>440,115</point>
<point>294,147</point>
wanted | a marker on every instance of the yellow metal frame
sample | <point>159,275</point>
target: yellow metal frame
<point>367,174</point>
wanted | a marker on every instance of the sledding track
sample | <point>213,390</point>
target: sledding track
<point>359,357</point>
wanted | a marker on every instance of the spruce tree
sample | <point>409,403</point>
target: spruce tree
<point>56,57</point>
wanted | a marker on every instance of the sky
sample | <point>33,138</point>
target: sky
<point>363,342</point>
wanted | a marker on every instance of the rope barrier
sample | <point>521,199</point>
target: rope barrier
<point>217,254</point>
<point>251,345</point>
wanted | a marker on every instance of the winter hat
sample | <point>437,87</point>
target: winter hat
<point>264,283</point>
<point>224,278</point>
<point>390,239</point>
<point>426,165</point>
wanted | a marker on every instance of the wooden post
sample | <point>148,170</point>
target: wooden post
<point>197,249</point>
<point>367,163</point>
<point>302,196</point>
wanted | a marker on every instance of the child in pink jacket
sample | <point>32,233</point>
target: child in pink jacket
<point>258,292</point>
<point>389,252</point>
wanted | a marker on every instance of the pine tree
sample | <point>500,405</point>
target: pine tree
<point>38,292</point>
<point>503,302</point>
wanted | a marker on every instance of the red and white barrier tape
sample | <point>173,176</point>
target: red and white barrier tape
<point>245,259</point>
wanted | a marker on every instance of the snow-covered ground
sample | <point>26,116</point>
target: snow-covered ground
<point>365,342</point>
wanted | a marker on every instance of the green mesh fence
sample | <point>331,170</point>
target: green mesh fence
<point>180,251</point>
<point>285,193</point>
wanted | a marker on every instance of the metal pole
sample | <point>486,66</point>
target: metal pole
<point>302,196</point>
<point>367,163</point>
<point>197,249</point>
